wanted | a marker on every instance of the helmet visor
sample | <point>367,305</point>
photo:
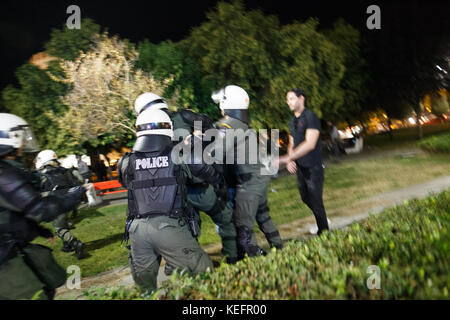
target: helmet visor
<point>29,143</point>
<point>218,95</point>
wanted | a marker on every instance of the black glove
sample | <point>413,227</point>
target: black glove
<point>221,190</point>
<point>77,192</point>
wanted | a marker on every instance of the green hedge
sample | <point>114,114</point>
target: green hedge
<point>409,244</point>
<point>437,143</point>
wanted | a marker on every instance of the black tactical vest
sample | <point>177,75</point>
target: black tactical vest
<point>57,178</point>
<point>155,185</point>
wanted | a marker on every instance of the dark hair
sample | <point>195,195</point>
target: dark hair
<point>299,92</point>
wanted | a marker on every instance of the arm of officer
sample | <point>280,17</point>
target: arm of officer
<point>121,169</point>
<point>22,196</point>
<point>199,168</point>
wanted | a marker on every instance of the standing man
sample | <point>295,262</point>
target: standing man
<point>304,155</point>
<point>159,217</point>
<point>251,185</point>
<point>83,169</point>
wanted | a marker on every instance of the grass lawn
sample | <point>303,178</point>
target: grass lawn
<point>346,182</point>
<point>403,138</point>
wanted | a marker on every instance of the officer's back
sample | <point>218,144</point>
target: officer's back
<point>158,215</point>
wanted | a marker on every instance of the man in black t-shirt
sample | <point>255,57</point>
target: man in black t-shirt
<point>304,155</point>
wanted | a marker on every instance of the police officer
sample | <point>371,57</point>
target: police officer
<point>251,185</point>
<point>25,268</point>
<point>159,217</point>
<point>210,199</point>
<point>58,180</point>
<point>304,155</point>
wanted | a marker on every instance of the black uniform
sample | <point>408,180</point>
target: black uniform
<point>310,173</point>
<point>26,268</point>
<point>57,180</point>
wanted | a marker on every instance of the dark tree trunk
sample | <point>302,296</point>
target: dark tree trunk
<point>419,124</point>
<point>391,136</point>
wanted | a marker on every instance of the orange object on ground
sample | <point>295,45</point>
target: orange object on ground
<point>107,187</point>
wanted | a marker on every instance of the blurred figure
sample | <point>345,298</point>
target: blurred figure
<point>335,140</point>
<point>100,170</point>
<point>56,180</point>
<point>83,169</point>
<point>25,268</point>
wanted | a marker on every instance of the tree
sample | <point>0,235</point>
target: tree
<point>67,43</point>
<point>354,82</point>
<point>404,56</point>
<point>104,85</point>
<point>439,103</point>
<point>235,46</point>
<point>38,94</point>
<point>312,62</point>
<point>168,59</point>
<point>252,50</point>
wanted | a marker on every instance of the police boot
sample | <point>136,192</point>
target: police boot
<point>232,260</point>
<point>78,247</point>
<point>244,246</point>
<point>66,247</point>
<point>168,270</point>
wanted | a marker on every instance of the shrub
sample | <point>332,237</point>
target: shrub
<point>436,143</point>
<point>409,244</point>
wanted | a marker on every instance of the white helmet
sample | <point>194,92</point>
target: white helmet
<point>149,100</point>
<point>16,133</point>
<point>44,157</point>
<point>231,98</point>
<point>154,121</point>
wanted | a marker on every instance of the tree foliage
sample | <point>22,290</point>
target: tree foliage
<point>253,50</point>
<point>104,85</point>
<point>67,43</point>
<point>38,95</point>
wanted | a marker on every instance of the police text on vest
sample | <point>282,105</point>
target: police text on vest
<point>153,162</point>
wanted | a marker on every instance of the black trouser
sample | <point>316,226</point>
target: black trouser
<point>310,186</point>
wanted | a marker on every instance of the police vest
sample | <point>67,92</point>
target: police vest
<point>155,185</point>
<point>57,178</point>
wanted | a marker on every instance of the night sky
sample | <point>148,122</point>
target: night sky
<point>25,25</point>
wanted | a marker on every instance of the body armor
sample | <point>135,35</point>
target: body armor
<point>57,178</point>
<point>154,184</point>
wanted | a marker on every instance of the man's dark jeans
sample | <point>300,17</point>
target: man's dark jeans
<point>310,186</point>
